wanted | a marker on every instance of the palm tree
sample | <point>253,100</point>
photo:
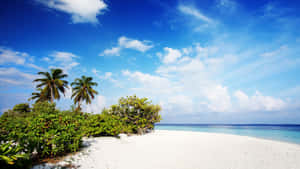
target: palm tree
<point>82,90</point>
<point>39,96</point>
<point>52,83</point>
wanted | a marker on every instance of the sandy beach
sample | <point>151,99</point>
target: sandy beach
<point>186,150</point>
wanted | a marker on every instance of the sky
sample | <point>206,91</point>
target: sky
<point>214,61</point>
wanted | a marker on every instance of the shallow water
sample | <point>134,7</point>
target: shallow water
<point>286,133</point>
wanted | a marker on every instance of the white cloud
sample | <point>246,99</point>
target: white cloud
<point>63,60</point>
<point>189,10</point>
<point>187,85</point>
<point>10,56</point>
<point>107,76</point>
<point>6,81</point>
<point>97,105</point>
<point>47,59</point>
<point>179,104</point>
<point>187,51</point>
<point>141,46</point>
<point>63,56</point>
<point>95,71</point>
<point>82,11</point>
<point>13,76</point>
<point>218,97</point>
<point>150,84</point>
<point>127,43</point>
<point>258,102</point>
<point>68,92</point>
<point>275,52</point>
<point>171,55</point>
<point>115,51</point>
<point>35,66</point>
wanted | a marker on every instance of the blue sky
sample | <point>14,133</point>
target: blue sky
<point>220,61</point>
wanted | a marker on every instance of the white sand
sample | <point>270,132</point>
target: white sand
<point>187,150</point>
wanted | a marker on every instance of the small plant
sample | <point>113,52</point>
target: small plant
<point>10,152</point>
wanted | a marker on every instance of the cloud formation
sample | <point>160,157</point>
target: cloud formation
<point>9,56</point>
<point>171,55</point>
<point>13,76</point>
<point>81,11</point>
<point>107,76</point>
<point>128,43</point>
<point>63,60</point>
<point>189,10</point>
<point>97,105</point>
<point>186,84</point>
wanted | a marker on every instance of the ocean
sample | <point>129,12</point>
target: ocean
<point>279,132</point>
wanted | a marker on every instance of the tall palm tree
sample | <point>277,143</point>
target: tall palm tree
<point>39,96</point>
<point>52,83</point>
<point>82,90</point>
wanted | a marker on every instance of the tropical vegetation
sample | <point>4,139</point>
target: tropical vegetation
<point>31,133</point>
<point>82,90</point>
<point>52,84</point>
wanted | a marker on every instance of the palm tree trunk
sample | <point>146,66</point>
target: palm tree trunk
<point>78,107</point>
<point>51,94</point>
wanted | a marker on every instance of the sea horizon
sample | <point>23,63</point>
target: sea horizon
<point>278,132</point>
<point>242,124</point>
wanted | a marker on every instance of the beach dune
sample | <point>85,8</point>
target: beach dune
<point>187,150</point>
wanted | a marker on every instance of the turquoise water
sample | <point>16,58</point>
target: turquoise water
<point>286,133</point>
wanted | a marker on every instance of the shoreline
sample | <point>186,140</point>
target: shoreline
<point>259,138</point>
<point>165,149</point>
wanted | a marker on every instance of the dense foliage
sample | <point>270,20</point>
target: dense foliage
<point>22,108</point>
<point>45,131</point>
<point>10,152</point>
<point>138,113</point>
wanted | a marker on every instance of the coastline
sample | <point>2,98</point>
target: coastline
<point>278,132</point>
<point>251,137</point>
<point>166,149</point>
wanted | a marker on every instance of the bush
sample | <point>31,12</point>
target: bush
<point>54,134</point>
<point>11,154</point>
<point>18,110</point>
<point>22,108</point>
<point>44,107</point>
<point>137,113</point>
<point>44,132</point>
<point>105,125</point>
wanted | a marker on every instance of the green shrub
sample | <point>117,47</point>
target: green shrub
<point>18,110</point>
<point>44,107</point>
<point>22,108</point>
<point>137,113</point>
<point>10,153</point>
<point>46,131</point>
<point>54,134</point>
<point>105,125</point>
